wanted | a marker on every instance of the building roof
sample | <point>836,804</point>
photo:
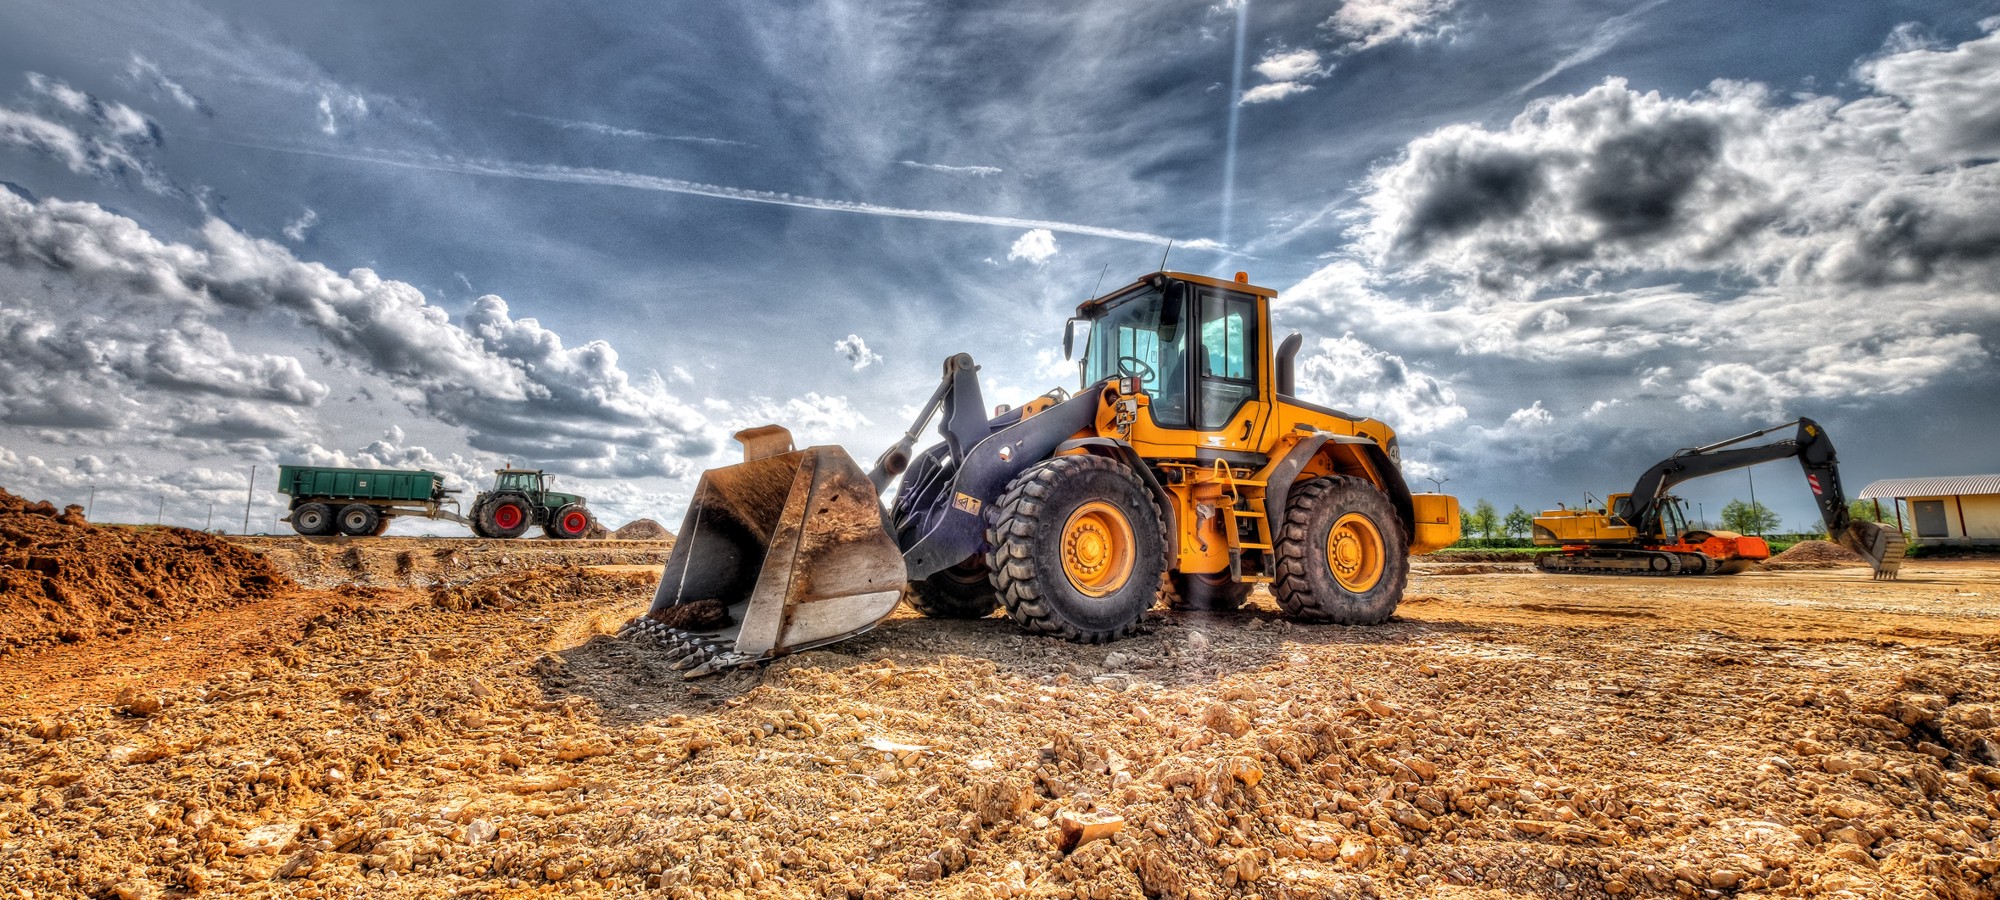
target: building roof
<point>1944,486</point>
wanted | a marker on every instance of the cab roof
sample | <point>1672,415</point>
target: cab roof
<point>1155,277</point>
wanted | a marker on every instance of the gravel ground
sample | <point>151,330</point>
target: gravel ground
<point>1801,733</point>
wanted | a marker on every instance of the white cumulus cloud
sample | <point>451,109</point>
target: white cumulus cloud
<point>1037,246</point>
<point>855,350</point>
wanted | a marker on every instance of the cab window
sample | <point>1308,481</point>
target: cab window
<point>1135,338</point>
<point>1228,364</point>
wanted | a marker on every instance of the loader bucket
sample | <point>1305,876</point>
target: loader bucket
<point>783,552</point>
<point>1882,545</point>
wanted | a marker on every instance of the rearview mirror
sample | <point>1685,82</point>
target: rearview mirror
<point>1069,337</point>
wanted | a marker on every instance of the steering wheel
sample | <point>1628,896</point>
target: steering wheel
<point>1137,368</point>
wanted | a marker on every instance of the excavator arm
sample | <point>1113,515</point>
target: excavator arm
<point>1814,450</point>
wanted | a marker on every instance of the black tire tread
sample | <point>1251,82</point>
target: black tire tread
<point>1180,591</point>
<point>1298,553</point>
<point>1018,518</point>
<point>944,597</point>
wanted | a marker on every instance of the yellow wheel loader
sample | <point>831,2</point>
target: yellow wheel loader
<point>1183,470</point>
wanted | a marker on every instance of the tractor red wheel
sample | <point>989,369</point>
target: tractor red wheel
<point>505,517</point>
<point>568,523</point>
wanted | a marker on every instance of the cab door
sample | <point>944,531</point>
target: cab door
<point>1229,372</point>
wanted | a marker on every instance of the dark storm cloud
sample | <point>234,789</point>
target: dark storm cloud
<point>1616,178</point>
<point>1907,237</point>
<point>1466,187</point>
<point>1634,184</point>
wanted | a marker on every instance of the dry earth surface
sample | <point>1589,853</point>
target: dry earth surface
<point>470,727</point>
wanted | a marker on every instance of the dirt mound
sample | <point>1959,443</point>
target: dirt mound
<point>1816,555</point>
<point>64,579</point>
<point>642,530</point>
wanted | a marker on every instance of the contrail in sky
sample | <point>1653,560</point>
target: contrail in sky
<point>613,178</point>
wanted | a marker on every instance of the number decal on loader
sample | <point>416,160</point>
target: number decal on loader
<point>966,503</point>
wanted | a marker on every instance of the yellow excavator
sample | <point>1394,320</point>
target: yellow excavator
<point>1645,531</point>
<point>1183,470</point>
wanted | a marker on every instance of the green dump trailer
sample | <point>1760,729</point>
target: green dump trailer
<point>357,502</point>
<point>329,500</point>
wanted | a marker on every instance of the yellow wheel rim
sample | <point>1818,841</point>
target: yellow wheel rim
<point>1097,548</point>
<point>1354,553</point>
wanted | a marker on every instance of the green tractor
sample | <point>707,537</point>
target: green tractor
<point>522,497</point>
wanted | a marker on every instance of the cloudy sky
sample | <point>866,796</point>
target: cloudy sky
<point>1549,241</point>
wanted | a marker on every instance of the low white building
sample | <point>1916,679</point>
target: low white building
<point>1952,509</point>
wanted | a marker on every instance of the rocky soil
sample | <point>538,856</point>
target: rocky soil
<point>327,562</point>
<point>1510,734</point>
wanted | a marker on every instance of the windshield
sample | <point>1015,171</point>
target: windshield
<point>1127,341</point>
<point>519,481</point>
<point>1674,516</point>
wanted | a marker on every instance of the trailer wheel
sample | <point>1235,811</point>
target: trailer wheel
<point>964,591</point>
<point>1342,554</point>
<point>1211,593</point>
<point>568,523</point>
<point>313,520</point>
<point>505,517</point>
<point>1077,549</point>
<point>358,520</point>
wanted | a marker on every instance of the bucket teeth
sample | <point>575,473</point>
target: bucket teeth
<point>694,655</point>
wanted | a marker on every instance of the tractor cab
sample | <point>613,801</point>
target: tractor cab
<point>526,481</point>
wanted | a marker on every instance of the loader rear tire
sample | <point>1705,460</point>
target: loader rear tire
<point>359,520</point>
<point>1342,554</point>
<point>313,520</point>
<point>1205,593</point>
<point>964,591</point>
<point>1078,549</point>
<point>505,517</point>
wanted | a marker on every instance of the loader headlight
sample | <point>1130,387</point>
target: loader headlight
<point>1128,386</point>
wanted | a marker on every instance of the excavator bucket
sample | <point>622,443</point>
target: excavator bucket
<point>781,553</point>
<point>1882,545</point>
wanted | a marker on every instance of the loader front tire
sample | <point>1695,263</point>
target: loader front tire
<point>1078,549</point>
<point>963,591</point>
<point>1342,554</point>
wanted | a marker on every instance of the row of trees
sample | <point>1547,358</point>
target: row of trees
<point>1484,520</point>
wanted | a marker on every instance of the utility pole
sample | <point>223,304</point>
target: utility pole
<point>1700,515</point>
<point>91,503</point>
<point>1439,482</point>
<point>161,518</point>
<point>1753,497</point>
<point>249,496</point>
<point>211,518</point>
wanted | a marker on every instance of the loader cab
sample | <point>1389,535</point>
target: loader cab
<point>1195,345</point>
